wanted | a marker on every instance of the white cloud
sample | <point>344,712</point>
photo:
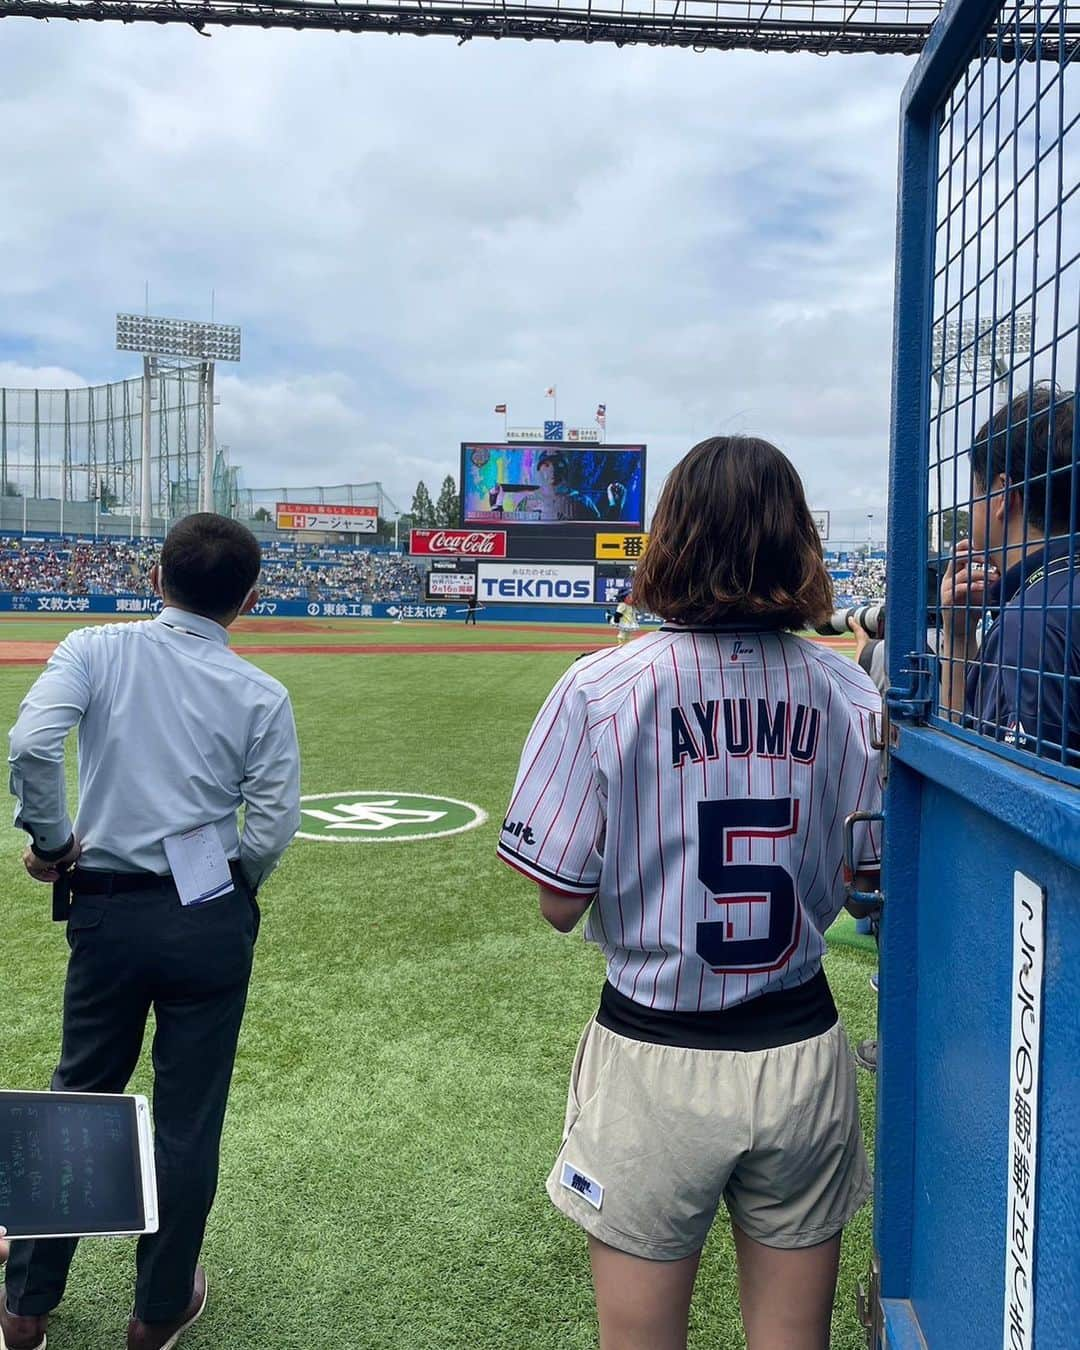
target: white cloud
<point>14,375</point>
<point>410,232</point>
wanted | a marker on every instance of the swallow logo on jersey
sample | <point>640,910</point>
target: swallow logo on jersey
<point>574,1179</point>
<point>739,648</point>
<point>364,817</point>
<point>519,830</point>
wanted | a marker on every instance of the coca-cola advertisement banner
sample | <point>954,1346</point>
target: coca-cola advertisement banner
<point>458,543</point>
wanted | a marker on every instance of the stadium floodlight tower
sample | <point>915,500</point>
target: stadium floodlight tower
<point>176,343</point>
<point>977,355</point>
<point>965,351</point>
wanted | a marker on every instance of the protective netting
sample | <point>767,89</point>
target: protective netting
<point>85,445</point>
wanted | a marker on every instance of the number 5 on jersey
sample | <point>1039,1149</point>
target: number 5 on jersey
<point>762,919</point>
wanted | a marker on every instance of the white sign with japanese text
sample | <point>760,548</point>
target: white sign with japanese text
<point>535,583</point>
<point>330,519</point>
<point>821,524</point>
<point>1025,1000</point>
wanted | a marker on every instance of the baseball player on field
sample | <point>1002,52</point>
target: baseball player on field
<point>688,793</point>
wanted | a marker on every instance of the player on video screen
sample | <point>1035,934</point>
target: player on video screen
<point>553,499</point>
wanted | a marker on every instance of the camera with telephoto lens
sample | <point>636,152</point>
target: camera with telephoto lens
<point>870,616</point>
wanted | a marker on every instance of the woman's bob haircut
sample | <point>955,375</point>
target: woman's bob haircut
<point>732,539</point>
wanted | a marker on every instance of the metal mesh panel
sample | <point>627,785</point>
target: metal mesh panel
<point>259,503</point>
<point>1004,464</point>
<point>82,445</point>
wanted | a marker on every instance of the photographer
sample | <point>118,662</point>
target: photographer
<point>870,652</point>
<point>1021,684</point>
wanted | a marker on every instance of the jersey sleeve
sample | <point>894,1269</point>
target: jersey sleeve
<point>862,784</point>
<point>554,826</point>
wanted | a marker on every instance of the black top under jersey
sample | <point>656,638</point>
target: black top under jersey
<point>763,1023</point>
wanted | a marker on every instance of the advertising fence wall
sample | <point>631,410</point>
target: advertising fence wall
<point>90,606</point>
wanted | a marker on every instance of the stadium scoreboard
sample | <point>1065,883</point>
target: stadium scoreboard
<point>543,522</point>
<point>554,500</point>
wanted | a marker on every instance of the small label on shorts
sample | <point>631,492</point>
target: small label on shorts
<point>573,1179</point>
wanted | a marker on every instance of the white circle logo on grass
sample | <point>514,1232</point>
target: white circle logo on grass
<point>384,817</point>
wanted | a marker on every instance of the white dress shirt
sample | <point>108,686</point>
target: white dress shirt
<point>175,731</point>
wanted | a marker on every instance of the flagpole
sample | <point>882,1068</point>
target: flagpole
<point>506,421</point>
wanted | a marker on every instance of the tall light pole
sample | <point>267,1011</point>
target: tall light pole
<point>181,340</point>
<point>145,499</point>
<point>869,533</point>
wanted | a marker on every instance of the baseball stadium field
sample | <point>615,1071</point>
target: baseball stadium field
<point>402,1074</point>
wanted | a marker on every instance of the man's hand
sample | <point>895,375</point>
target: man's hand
<point>616,495</point>
<point>50,871</point>
<point>963,596</point>
<point>862,638</point>
<point>962,600</point>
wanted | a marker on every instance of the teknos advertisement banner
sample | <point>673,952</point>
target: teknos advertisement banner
<point>535,583</point>
<point>458,543</point>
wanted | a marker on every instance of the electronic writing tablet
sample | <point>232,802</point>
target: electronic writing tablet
<point>76,1164</point>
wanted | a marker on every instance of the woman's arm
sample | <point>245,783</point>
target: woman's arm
<point>563,911</point>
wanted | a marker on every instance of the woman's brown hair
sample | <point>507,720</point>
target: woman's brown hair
<point>733,538</point>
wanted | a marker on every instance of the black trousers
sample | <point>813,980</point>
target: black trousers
<point>192,966</point>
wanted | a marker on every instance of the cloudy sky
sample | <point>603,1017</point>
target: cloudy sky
<point>410,232</point>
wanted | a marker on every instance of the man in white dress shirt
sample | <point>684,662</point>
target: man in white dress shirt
<point>176,733</point>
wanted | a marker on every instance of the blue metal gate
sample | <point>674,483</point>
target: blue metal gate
<point>977,1228</point>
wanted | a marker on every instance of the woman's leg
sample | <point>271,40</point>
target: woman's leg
<point>786,1295</point>
<point>642,1305</point>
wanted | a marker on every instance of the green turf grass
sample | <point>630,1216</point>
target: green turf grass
<point>401,1081</point>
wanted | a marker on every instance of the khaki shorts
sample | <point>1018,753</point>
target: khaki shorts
<point>656,1135</point>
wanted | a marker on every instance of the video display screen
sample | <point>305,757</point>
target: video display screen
<point>451,585</point>
<point>552,484</point>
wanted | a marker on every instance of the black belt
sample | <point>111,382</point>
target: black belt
<point>85,881</point>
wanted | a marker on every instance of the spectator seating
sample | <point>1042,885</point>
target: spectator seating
<point>122,567</point>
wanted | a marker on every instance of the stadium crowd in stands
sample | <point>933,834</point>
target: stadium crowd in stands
<point>122,567</point>
<point>290,571</point>
<point>858,579</point>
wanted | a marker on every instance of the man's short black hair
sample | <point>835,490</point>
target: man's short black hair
<point>1030,442</point>
<point>209,563</point>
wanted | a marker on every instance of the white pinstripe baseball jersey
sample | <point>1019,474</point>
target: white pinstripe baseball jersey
<point>697,783</point>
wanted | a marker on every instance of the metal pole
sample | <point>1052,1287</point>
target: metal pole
<point>208,448</point>
<point>97,515</point>
<point>24,515</point>
<point>395,531</point>
<point>144,480</point>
